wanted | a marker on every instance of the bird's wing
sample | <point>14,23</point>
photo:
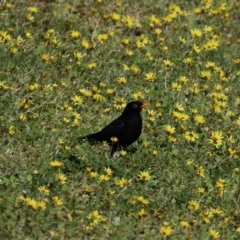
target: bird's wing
<point>112,130</point>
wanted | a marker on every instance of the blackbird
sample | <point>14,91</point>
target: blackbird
<point>127,128</point>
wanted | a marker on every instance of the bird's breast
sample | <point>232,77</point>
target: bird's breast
<point>131,131</point>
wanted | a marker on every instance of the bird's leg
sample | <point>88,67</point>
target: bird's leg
<point>114,149</point>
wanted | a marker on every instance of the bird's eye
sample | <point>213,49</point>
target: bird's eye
<point>135,105</point>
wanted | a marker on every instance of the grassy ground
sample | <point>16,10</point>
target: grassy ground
<point>68,68</point>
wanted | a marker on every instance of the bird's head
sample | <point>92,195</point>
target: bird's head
<point>135,106</point>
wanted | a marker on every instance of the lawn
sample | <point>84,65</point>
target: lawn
<point>68,68</point>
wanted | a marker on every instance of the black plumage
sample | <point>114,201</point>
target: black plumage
<point>126,128</point>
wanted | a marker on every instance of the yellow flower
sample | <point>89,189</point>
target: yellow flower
<point>185,224</point>
<point>115,16</point>
<point>142,212</point>
<point>180,116</point>
<point>182,40</point>
<point>128,21</point>
<point>144,176</point>
<point>102,37</point>
<point>194,89</point>
<point>108,171</point>
<point>11,130</point>
<point>176,86</point>
<point>78,55</point>
<point>132,201</point>
<point>191,136</point>
<point>196,48</point>
<point>119,103</point>
<point>169,129</point>
<point>237,170</point>
<point>199,119</point>
<point>122,80</point>
<point>75,34</point>
<point>201,190</point>
<point>44,190</point>
<point>56,163</point>
<point>33,87</point>
<point>57,201</point>
<point>128,52</point>
<point>193,205</point>
<point>166,230</point>
<point>213,234</point>
<point>95,217</point>
<point>122,182</point>
<point>143,200</point>
<point>14,50</point>
<point>61,178</point>
<point>151,77</point>
<point>154,21</point>
<point>85,44</point>
<point>77,100</point>
<point>200,171</point>
<point>9,5</point>
<point>155,152</point>
<point>195,33</point>
<point>212,44</point>
<point>206,74</point>
<point>167,63</point>
<point>31,203</point>
<point>207,29</point>
<point>183,79</point>
<point>123,153</point>
<point>142,41</point>
<point>29,17</point>
<point>22,198</point>
<point>188,60</point>
<point>93,174</point>
<point>32,9</point>
<point>179,107</point>
<point>45,57</point>
<point>197,10</point>
<point>92,65</point>
<point>110,91</point>
<point>221,184</point>
<point>104,178</point>
<point>216,138</point>
<point>157,31</point>
<point>114,139</point>
<point>125,41</point>
<point>41,205</point>
<point>135,69</point>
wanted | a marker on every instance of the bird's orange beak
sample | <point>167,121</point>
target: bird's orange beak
<point>144,105</point>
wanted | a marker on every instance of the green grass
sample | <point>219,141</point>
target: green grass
<point>60,79</point>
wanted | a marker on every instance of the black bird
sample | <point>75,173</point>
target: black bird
<point>127,128</point>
